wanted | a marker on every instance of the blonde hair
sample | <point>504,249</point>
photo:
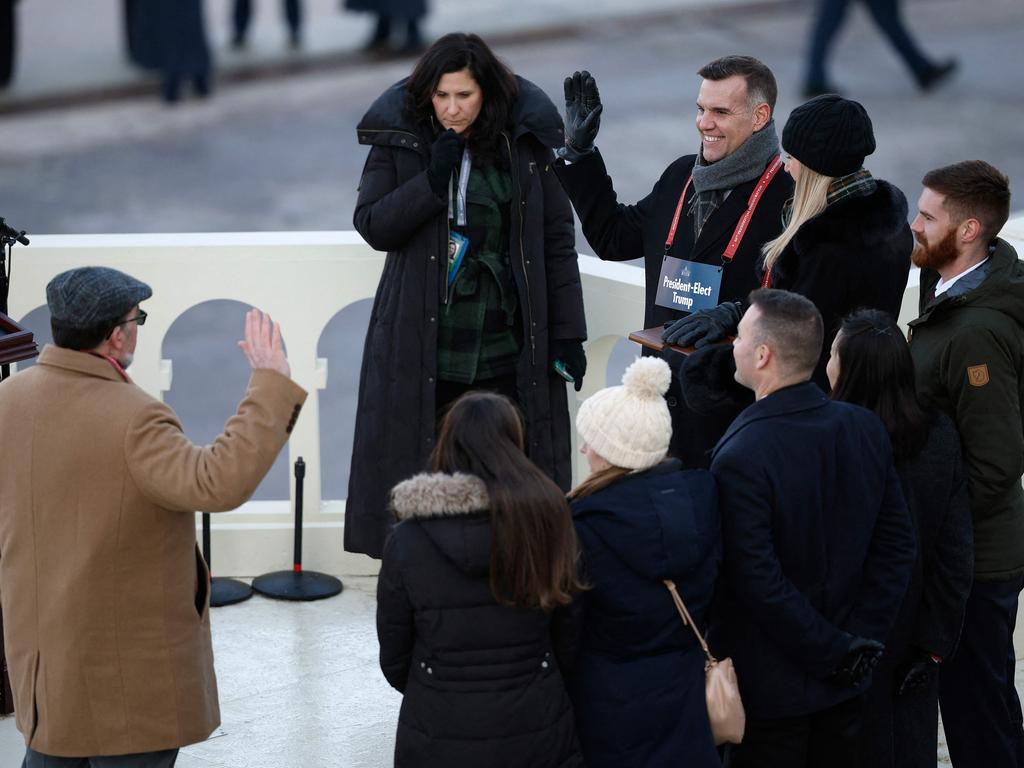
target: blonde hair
<point>810,196</point>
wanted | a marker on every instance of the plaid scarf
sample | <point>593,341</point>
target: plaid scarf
<point>857,184</point>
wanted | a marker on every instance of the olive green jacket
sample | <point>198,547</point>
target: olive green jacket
<point>968,349</point>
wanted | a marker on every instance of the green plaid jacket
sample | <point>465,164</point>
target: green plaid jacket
<point>478,334</point>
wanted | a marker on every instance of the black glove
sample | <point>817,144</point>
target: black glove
<point>917,672</point>
<point>861,658</point>
<point>570,352</point>
<point>705,326</point>
<point>444,156</point>
<point>582,116</point>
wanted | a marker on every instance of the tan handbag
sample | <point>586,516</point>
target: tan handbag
<point>721,691</point>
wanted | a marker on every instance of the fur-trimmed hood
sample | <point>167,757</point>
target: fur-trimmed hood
<point>880,217</point>
<point>439,495</point>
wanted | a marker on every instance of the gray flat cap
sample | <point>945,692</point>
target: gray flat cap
<point>88,296</point>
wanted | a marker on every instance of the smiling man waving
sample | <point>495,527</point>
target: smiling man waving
<point>692,229</point>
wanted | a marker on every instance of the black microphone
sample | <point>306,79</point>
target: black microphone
<point>7,232</point>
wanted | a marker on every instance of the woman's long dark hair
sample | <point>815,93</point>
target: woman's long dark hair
<point>876,371</point>
<point>453,53</point>
<point>534,550</point>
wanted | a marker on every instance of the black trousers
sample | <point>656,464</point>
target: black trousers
<point>826,739</point>
<point>8,41</point>
<point>241,14</point>
<point>981,712</point>
<point>162,759</point>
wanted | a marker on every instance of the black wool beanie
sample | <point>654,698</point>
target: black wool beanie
<point>830,135</point>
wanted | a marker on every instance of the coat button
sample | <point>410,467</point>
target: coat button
<point>433,319</point>
<point>430,670</point>
<point>544,664</point>
<point>423,665</point>
<point>430,379</point>
<point>672,402</point>
<point>433,258</point>
<point>403,141</point>
<point>415,143</point>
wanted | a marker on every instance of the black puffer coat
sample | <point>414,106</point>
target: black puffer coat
<point>853,255</point>
<point>482,682</point>
<point>397,212</point>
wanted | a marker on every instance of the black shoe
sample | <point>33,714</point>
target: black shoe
<point>170,90</point>
<point>201,85</point>
<point>818,89</point>
<point>937,75</point>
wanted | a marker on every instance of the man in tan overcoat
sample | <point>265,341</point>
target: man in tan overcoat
<point>105,595</point>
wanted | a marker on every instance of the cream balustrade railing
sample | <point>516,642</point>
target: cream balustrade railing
<point>303,279</point>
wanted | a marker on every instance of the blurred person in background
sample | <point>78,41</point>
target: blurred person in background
<point>481,286</point>
<point>170,36</point>
<point>475,612</point>
<point>693,213</point>
<point>241,15</point>
<point>887,17</point>
<point>391,14</point>
<point>8,41</point>
<point>968,349</point>
<point>871,366</point>
<point>638,683</point>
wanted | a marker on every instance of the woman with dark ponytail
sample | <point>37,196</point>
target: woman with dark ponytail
<point>870,366</point>
<point>474,601</point>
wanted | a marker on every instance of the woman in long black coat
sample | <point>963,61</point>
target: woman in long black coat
<point>638,682</point>
<point>870,365</point>
<point>474,612</point>
<point>416,353</point>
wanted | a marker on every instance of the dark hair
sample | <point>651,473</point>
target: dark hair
<point>534,550</point>
<point>82,338</point>
<point>876,371</point>
<point>792,325</point>
<point>761,85</point>
<point>973,190</point>
<point>453,53</point>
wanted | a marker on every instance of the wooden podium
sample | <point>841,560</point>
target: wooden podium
<point>16,344</point>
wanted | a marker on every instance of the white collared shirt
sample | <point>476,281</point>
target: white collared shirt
<point>943,285</point>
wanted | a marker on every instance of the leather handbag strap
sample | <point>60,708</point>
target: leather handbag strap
<point>688,620</point>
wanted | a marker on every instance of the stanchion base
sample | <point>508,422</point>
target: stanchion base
<point>228,591</point>
<point>301,585</point>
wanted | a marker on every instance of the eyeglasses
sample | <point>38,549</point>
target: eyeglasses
<point>140,318</point>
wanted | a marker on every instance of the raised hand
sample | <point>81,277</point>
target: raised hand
<point>262,344</point>
<point>582,112</point>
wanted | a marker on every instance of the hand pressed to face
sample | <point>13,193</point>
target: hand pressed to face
<point>725,119</point>
<point>262,345</point>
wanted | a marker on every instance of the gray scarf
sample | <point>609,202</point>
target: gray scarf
<point>713,181</point>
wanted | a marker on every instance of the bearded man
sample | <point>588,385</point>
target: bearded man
<point>968,349</point>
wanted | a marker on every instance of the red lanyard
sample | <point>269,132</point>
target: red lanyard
<point>743,223</point>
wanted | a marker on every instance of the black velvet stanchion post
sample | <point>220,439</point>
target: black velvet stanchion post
<point>297,584</point>
<point>222,591</point>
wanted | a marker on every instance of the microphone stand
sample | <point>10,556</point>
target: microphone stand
<point>9,237</point>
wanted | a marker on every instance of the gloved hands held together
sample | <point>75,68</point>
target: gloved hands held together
<point>860,660</point>
<point>917,672</point>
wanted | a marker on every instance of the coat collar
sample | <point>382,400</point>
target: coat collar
<point>793,399</point>
<point>78,362</point>
<point>439,495</point>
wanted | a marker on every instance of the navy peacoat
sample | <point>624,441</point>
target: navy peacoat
<point>818,546</point>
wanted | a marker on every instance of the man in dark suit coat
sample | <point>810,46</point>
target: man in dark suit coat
<point>735,107</point>
<point>818,546</point>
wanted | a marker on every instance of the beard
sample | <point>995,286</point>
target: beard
<point>936,256</point>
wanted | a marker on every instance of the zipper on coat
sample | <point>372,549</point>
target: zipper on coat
<point>522,253</point>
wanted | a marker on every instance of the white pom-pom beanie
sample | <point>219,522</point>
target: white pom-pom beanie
<point>630,426</point>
